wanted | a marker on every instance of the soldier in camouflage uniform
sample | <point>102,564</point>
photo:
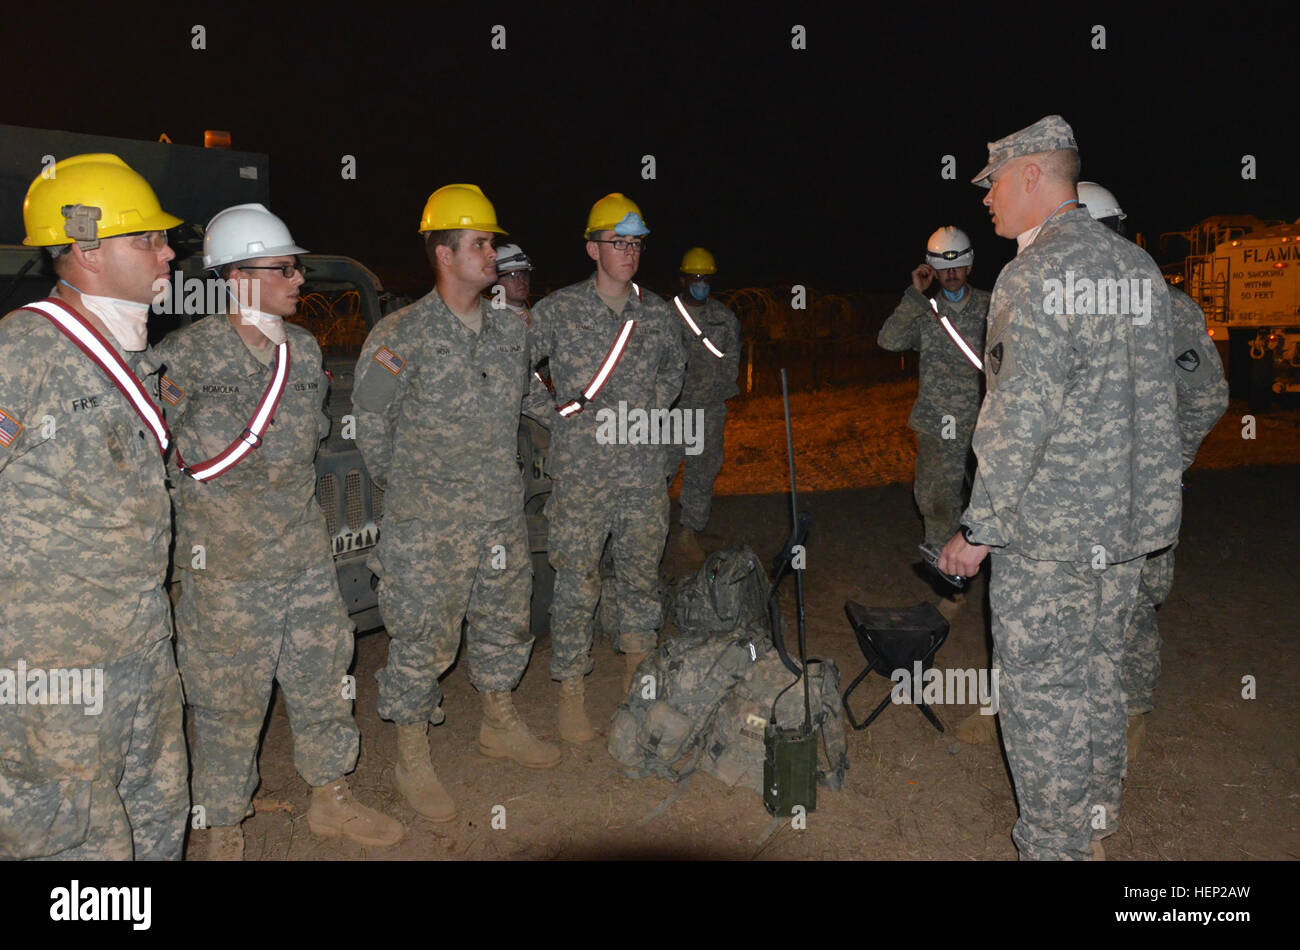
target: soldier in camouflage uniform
<point>1078,480</point>
<point>86,530</point>
<point>1202,400</point>
<point>606,485</point>
<point>437,397</point>
<point>253,614</point>
<point>712,364</point>
<point>950,387</point>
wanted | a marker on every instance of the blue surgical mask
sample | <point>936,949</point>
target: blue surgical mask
<point>954,297</point>
<point>699,289</point>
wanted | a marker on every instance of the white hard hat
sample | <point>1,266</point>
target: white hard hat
<point>244,232</point>
<point>949,247</point>
<point>1100,202</point>
<point>511,257</point>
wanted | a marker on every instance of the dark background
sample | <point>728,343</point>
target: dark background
<point>817,166</point>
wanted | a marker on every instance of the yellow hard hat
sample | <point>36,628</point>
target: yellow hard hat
<point>453,207</point>
<point>114,200</point>
<point>618,213</point>
<point>698,261</point>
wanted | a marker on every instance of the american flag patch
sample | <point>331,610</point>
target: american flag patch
<point>9,429</point>
<point>389,360</point>
<point>170,391</point>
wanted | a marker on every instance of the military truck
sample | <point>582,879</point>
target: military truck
<point>340,301</point>
<point>1244,273</point>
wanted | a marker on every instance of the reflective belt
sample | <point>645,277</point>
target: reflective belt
<point>957,337</point>
<point>251,437</point>
<point>574,406</point>
<point>708,344</point>
<point>101,353</point>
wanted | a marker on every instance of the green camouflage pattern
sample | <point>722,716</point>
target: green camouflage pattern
<point>1077,441</point>
<point>948,384</point>
<point>445,574</point>
<point>709,380</point>
<point>1202,400</point>
<point>582,517</point>
<point>215,386</point>
<point>440,434</point>
<point>734,749</point>
<point>700,471</point>
<point>85,541</point>
<point>575,330</point>
<point>1058,634</point>
<point>605,492</point>
<point>233,640</point>
<point>660,726</point>
<point>939,485</point>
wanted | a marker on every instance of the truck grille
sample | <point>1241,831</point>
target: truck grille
<point>327,498</point>
<point>352,506</point>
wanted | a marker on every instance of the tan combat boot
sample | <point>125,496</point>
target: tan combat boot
<point>414,777</point>
<point>335,813</point>
<point>574,724</point>
<point>633,660</point>
<point>1136,732</point>
<point>978,729</point>
<point>219,843</point>
<point>504,735</point>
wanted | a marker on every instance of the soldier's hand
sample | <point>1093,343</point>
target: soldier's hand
<point>961,558</point>
<point>921,277</point>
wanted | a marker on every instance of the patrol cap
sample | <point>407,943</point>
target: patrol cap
<point>1049,134</point>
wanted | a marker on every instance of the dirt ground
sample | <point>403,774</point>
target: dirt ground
<point>1218,777</point>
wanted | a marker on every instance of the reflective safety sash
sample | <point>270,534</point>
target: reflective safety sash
<point>91,342</point>
<point>574,406</point>
<point>251,437</point>
<point>708,344</point>
<point>957,337</point>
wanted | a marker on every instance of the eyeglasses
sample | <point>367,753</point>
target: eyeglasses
<point>286,270</point>
<point>148,240</point>
<point>621,245</point>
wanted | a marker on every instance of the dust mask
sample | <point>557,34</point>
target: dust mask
<point>127,320</point>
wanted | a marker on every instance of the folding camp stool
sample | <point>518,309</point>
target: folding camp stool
<point>892,639</point>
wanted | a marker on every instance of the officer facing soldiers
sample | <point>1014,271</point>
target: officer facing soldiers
<point>1202,400</point>
<point>613,347</point>
<point>711,341</point>
<point>86,531</point>
<point>1078,480</point>
<point>438,390</point>
<point>251,615</point>
<point>950,386</point>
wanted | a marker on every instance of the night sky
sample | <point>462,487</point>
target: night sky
<point>818,166</point>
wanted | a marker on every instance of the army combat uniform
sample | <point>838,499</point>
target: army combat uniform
<point>1202,399</point>
<point>437,410</point>
<point>604,489</point>
<point>947,399</point>
<point>86,531</point>
<point>710,381</point>
<point>260,601</point>
<point>1078,480</point>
